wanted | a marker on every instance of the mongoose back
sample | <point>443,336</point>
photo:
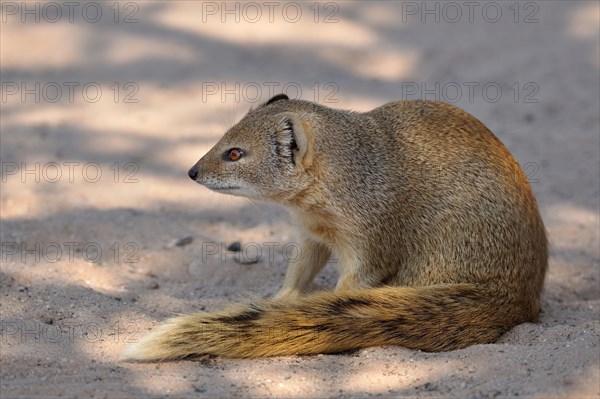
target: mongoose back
<point>439,240</point>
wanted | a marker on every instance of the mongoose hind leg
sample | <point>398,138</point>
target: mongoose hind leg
<point>356,274</point>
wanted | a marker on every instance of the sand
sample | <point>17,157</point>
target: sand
<point>101,120</point>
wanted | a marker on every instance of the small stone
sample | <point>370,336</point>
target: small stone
<point>199,389</point>
<point>235,246</point>
<point>152,285</point>
<point>428,386</point>
<point>245,260</point>
<point>181,242</point>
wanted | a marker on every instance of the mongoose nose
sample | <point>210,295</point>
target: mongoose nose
<point>193,172</point>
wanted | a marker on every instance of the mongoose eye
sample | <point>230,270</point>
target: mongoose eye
<point>233,154</point>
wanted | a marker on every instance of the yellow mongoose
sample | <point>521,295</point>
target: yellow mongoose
<point>438,236</point>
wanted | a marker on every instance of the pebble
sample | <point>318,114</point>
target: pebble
<point>428,386</point>
<point>152,285</point>
<point>235,246</point>
<point>529,117</point>
<point>245,260</point>
<point>181,242</point>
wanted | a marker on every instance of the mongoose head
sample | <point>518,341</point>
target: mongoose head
<point>264,156</point>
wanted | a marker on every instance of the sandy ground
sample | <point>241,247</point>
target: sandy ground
<point>103,113</point>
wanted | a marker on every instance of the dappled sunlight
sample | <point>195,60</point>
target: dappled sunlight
<point>132,48</point>
<point>21,203</point>
<point>67,39</point>
<point>207,108</point>
<point>583,23</point>
<point>584,384</point>
<point>569,213</point>
<point>584,20</point>
<point>385,63</point>
<point>168,381</point>
<point>257,26</point>
<point>381,15</point>
<point>138,107</point>
<point>146,191</point>
<point>86,265</point>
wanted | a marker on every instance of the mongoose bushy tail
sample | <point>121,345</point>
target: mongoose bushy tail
<point>437,234</point>
<point>333,322</point>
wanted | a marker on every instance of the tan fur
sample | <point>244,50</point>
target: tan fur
<point>439,240</point>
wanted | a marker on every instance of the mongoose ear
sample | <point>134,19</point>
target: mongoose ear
<point>295,139</point>
<point>276,98</point>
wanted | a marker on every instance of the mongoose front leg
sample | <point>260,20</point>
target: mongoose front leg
<point>303,268</point>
